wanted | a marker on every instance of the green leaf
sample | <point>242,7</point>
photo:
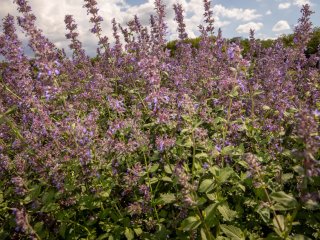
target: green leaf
<point>149,125</point>
<point>129,233</point>
<point>14,128</point>
<point>62,230</point>
<point>210,216</point>
<point>300,237</point>
<point>167,198</point>
<point>200,201</point>
<point>9,111</point>
<point>227,150</point>
<point>257,93</point>
<point>222,238</point>
<point>167,169</point>
<point>218,120</point>
<point>283,201</point>
<point>234,92</point>
<point>273,236</point>
<point>50,207</point>
<point>190,223</point>
<point>38,226</point>
<point>243,188</point>
<point>279,220</point>
<point>105,194</point>
<point>201,155</point>
<point>154,180</point>
<point>286,177</point>
<point>138,231</point>
<point>188,143</point>
<point>103,236</point>
<point>206,185</point>
<point>161,232</point>
<point>197,124</point>
<point>211,196</point>
<point>166,179</point>
<point>35,191</point>
<point>48,197</point>
<point>205,235</point>
<point>232,232</point>
<point>154,168</point>
<point>299,169</point>
<point>224,174</point>
<point>264,213</point>
<point>226,212</point>
<point>185,130</point>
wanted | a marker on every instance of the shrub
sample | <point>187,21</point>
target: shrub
<point>135,144</point>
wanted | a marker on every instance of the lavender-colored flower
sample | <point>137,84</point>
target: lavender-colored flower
<point>316,113</point>
<point>44,50</point>
<point>159,26</point>
<point>253,164</point>
<point>164,142</point>
<point>75,45</point>
<point>101,117</point>
<point>21,220</point>
<point>92,9</point>
<point>5,164</point>
<point>302,32</point>
<point>179,18</point>
<point>145,190</point>
<point>205,165</point>
<point>135,208</point>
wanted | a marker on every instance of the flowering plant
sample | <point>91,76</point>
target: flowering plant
<point>142,144</point>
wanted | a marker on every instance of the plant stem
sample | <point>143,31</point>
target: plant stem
<point>193,155</point>
<point>10,91</point>
<point>149,181</point>
<point>205,225</point>
<point>225,130</point>
<point>274,212</point>
<point>270,203</point>
<point>252,102</point>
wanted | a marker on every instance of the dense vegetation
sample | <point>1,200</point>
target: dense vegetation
<point>287,40</point>
<point>140,143</point>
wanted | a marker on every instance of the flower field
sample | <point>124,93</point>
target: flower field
<point>140,143</point>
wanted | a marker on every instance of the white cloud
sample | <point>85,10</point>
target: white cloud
<point>245,28</point>
<point>301,2</point>
<point>268,12</point>
<point>263,36</point>
<point>284,5</point>
<point>282,25</point>
<point>50,16</point>
<point>235,13</point>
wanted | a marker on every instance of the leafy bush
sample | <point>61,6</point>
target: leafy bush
<point>312,45</point>
<point>135,144</point>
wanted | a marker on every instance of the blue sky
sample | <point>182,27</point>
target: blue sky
<point>270,18</point>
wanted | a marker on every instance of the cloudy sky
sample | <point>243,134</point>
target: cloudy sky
<point>270,18</point>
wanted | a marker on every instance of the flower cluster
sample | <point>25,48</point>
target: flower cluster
<point>145,141</point>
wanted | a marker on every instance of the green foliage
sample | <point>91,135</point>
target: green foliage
<point>314,42</point>
<point>194,42</point>
<point>287,40</point>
